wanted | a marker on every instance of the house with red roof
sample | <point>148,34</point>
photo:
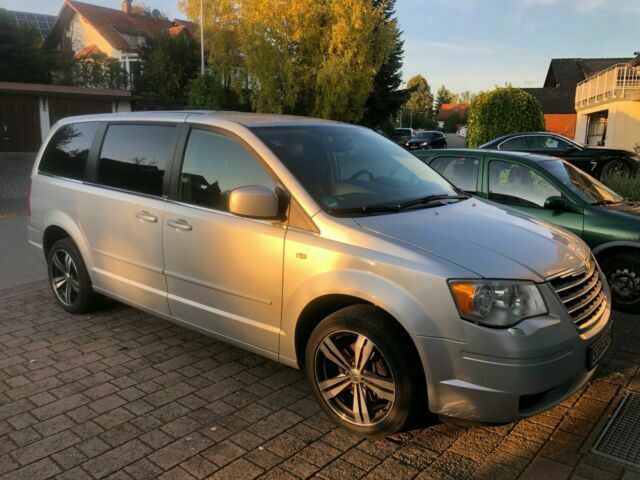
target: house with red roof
<point>448,109</point>
<point>84,29</point>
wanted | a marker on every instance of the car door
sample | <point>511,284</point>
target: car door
<point>120,212</point>
<point>224,272</point>
<point>518,186</point>
<point>558,147</point>
<point>463,171</point>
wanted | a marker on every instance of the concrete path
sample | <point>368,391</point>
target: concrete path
<point>15,170</point>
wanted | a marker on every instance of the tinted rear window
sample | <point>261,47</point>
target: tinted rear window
<point>135,157</point>
<point>67,153</point>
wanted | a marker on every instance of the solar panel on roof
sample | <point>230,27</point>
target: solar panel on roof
<point>42,23</point>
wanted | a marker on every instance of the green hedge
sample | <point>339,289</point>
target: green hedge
<point>502,111</point>
<point>625,187</point>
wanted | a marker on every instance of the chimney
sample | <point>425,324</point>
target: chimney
<point>126,7</point>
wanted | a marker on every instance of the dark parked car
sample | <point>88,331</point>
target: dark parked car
<point>426,140</point>
<point>556,191</point>
<point>598,162</point>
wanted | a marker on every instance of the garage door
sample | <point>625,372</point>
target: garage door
<point>67,107</point>
<point>19,123</point>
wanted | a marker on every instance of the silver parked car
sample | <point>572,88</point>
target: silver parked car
<point>327,247</point>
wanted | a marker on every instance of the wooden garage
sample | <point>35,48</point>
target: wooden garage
<point>27,111</point>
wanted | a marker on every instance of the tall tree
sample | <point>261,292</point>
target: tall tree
<point>22,58</point>
<point>387,97</point>
<point>309,56</point>
<point>444,95</point>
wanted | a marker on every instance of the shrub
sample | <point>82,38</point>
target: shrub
<point>204,93</point>
<point>452,122</point>
<point>502,111</point>
<point>625,187</point>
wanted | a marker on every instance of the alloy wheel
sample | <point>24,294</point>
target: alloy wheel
<point>625,283</point>
<point>64,277</point>
<point>354,378</point>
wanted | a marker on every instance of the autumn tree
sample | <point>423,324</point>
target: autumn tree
<point>465,97</point>
<point>315,57</point>
<point>387,98</point>
<point>444,95</point>
<point>418,110</point>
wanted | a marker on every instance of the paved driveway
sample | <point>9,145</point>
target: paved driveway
<point>123,395</point>
<point>20,263</point>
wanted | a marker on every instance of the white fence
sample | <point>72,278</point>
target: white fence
<point>619,82</point>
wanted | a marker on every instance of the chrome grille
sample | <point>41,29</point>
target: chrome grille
<point>582,293</point>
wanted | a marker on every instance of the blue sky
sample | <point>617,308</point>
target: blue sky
<point>476,44</point>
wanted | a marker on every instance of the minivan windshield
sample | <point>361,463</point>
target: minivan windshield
<point>586,187</point>
<point>347,168</point>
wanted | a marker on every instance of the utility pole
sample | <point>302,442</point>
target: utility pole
<point>202,37</point>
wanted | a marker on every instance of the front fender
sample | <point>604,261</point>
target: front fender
<point>398,302</point>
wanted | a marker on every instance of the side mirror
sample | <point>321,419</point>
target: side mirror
<point>556,203</point>
<point>570,148</point>
<point>254,201</point>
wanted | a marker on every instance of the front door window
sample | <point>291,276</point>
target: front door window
<point>518,185</point>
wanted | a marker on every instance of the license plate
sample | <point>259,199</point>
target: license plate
<point>598,349</point>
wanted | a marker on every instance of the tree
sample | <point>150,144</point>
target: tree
<point>387,97</point>
<point>465,97</point>
<point>502,111</point>
<point>418,109</point>
<point>309,56</point>
<point>168,65</point>
<point>444,95</point>
<point>141,8</point>
<point>22,57</point>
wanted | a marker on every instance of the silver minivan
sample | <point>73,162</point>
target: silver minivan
<point>327,247</point>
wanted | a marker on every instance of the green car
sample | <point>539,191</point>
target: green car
<point>556,191</point>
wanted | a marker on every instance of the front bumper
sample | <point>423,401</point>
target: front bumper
<point>503,375</point>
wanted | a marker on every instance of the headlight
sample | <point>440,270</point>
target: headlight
<point>424,144</point>
<point>497,303</point>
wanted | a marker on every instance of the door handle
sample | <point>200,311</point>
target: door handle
<point>146,216</point>
<point>180,225</point>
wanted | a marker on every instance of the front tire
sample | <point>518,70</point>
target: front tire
<point>363,371</point>
<point>623,274</point>
<point>69,278</point>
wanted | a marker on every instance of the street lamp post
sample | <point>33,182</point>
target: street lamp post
<point>202,37</point>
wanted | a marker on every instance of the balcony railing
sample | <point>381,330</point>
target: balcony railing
<point>618,82</point>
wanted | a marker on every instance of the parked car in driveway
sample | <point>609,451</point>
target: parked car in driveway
<point>426,139</point>
<point>327,247</point>
<point>556,191</point>
<point>599,162</point>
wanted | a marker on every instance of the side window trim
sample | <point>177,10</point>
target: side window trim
<point>92,173</point>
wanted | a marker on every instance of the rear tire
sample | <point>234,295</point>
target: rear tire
<point>69,279</point>
<point>615,168</point>
<point>364,373</point>
<point>623,275</point>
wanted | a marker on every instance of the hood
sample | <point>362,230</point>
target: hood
<point>606,152</point>
<point>490,240</point>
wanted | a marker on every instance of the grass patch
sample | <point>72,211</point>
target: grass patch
<point>626,187</point>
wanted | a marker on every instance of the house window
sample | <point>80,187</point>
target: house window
<point>597,128</point>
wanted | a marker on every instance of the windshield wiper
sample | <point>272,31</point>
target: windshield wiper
<point>431,198</point>
<point>607,202</point>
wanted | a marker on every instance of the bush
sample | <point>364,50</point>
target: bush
<point>502,111</point>
<point>626,187</point>
<point>452,122</point>
<point>204,93</point>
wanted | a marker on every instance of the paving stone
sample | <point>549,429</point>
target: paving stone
<point>180,450</point>
<point>117,458</point>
